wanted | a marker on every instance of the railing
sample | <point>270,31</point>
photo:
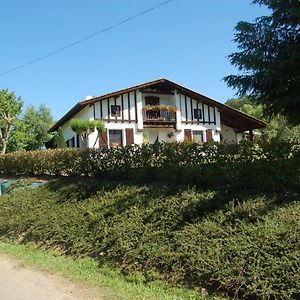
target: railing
<point>159,116</point>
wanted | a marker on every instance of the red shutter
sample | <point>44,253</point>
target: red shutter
<point>209,135</point>
<point>187,134</point>
<point>129,136</point>
<point>103,139</point>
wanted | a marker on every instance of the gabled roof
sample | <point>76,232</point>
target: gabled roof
<point>229,116</point>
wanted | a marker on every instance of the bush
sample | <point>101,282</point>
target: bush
<point>269,166</point>
<point>244,244</point>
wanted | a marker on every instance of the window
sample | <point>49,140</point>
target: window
<point>115,138</point>
<point>115,110</point>
<point>78,141</point>
<point>150,100</point>
<point>197,113</point>
<point>198,136</point>
<point>71,142</point>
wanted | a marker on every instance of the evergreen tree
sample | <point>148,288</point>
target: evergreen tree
<point>269,59</point>
<point>59,140</point>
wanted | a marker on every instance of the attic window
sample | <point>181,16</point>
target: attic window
<point>150,100</point>
<point>116,110</point>
<point>197,114</point>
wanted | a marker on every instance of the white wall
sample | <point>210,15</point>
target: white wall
<point>161,133</point>
<point>85,113</point>
<point>230,136</point>
<point>121,122</point>
<point>138,136</point>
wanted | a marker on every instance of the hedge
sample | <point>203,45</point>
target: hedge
<point>241,243</point>
<point>211,164</point>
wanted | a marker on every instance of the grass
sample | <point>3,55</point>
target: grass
<point>87,272</point>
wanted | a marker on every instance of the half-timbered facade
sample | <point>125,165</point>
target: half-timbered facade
<point>176,114</point>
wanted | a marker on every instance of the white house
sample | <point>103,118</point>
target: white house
<point>159,110</point>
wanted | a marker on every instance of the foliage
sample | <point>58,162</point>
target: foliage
<point>99,125</point>
<point>58,139</point>
<point>37,123</point>
<point>210,164</point>
<point>81,126</point>
<point>18,137</point>
<point>247,106</point>
<point>30,130</point>
<point>10,108</point>
<point>278,126</point>
<point>85,127</point>
<point>269,59</point>
<point>160,107</point>
<point>233,240</point>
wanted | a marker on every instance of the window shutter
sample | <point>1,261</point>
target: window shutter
<point>187,134</point>
<point>103,139</point>
<point>209,135</point>
<point>129,136</point>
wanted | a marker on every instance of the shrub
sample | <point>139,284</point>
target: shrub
<point>244,244</point>
<point>270,166</point>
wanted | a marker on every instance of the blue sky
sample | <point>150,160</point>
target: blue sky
<point>186,41</point>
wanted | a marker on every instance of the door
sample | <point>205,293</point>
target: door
<point>209,136</point>
<point>187,134</point>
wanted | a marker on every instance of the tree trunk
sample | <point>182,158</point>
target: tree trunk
<point>4,145</point>
<point>4,138</point>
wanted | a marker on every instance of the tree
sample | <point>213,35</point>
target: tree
<point>247,106</point>
<point>85,127</point>
<point>59,140</point>
<point>30,130</point>
<point>278,126</point>
<point>37,123</point>
<point>269,59</point>
<point>18,137</point>
<point>10,108</point>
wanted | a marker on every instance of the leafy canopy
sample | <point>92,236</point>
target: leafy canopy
<point>10,108</point>
<point>269,59</point>
<point>278,126</point>
<point>58,139</point>
<point>85,127</point>
<point>36,123</point>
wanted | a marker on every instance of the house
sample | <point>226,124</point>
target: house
<point>159,110</point>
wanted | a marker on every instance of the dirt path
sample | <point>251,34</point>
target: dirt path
<point>19,283</point>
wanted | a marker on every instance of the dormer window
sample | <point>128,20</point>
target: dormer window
<point>116,110</point>
<point>150,100</point>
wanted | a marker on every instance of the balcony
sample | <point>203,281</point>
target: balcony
<point>160,115</point>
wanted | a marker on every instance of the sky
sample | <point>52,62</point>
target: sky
<point>186,41</point>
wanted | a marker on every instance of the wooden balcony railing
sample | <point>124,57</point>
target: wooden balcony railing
<point>159,116</point>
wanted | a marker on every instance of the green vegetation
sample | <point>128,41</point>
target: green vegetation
<point>58,140</point>
<point>28,131</point>
<point>87,272</point>
<point>85,127</point>
<point>36,125</point>
<point>242,242</point>
<point>211,217</point>
<point>275,163</point>
<point>278,126</point>
<point>269,59</point>
<point>10,108</point>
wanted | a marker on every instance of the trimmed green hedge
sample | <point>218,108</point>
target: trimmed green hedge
<point>244,244</point>
<point>272,166</point>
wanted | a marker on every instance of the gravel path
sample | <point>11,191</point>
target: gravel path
<point>19,283</point>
